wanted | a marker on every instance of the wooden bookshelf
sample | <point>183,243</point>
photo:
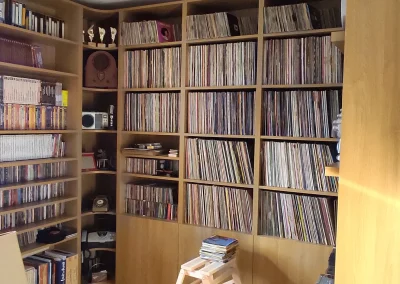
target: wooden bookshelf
<point>14,132</point>
<point>304,86</point>
<point>36,162</point>
<point>152,45</point>
<point>224,39</point>
<point>338,39</point>
<point>36,182</point>
<point>299,191</point>
<point>151,177</point>
<point>317,32</point>
<point>27,71</point>
<point>85,214</point>
<point>332,170</point>
<point>99,131</point>
<point>99,173</point>
<point>32,205</point>
<point>98,90</point>
<point>291,138</point>
<point>89,47</point>
<point>160,157</point>
<point>38,248</point>
<point>240,185</point>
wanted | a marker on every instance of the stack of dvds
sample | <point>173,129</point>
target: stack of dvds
<point>221,113</point>
<point>219,249</point>
<point>297,217</point>
<point>308,60</point>
<point>152,112</point>
<point>297,165</point>
<point>154,200</point>
<point>154,68</point>
<point>228,64</point>
<point>26,173</point>
<point>150,32</point>
<point>299,17</point>
<point>300,113</point>
<point>211,206</point>
<point>218,160</point>
<point>28,147</point>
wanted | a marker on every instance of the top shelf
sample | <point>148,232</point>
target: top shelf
<point>303,33</point>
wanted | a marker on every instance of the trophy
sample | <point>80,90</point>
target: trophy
<point>102,33</point>
<point>91,35</point>
<point>113,36</point>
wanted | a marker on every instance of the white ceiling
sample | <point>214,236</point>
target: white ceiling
<point>109,4</point>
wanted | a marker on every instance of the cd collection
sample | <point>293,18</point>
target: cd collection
<point>219,207</point>
<point>297,217</point>
<point>218,160</point>
<point>228,64</point>
<point>155,68</point>
<point>166,211</point>
<point>297,165</point>
<point>307,60</point>
<point>229,113</point>
<point>152,112</point>
<point>21,53</point>
<point>142,166</point>
<point>300,113</point>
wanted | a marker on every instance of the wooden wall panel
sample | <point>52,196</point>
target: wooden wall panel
<point>190,238</point>
<point>278,261</point>
<point>369,186</point>
<point>147,251</point>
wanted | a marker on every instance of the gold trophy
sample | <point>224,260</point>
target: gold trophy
<point>113,36</point>
<point>102,33</point>
<point>91,36</point>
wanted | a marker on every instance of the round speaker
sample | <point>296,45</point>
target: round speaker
<point>87,120</point>
<point>101,62</point>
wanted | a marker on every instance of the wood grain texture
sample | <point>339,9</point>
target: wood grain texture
<point>369,184</point>
<point>147,251</point>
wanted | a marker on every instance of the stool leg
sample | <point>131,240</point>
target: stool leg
<point>208,280</point>
<point>181,277</point>
<point>235,274</point>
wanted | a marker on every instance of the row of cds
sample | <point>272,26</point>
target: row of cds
<point>218,160</point>
<point>25,173</point>
<point>297,217</point>
<point>219,207</point>
<point>31,194</point>
<point>154,68</point>
<point>297,165</point>
<point>153,112</point>
<point>229,64</point>
<point>300,113</point>
<point>308,60</point>
<point>31,216</point>
<point>152,209</point>
<point>142,166</point>
<point>221,113</point>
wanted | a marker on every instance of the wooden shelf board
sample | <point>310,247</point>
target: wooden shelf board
<point>291,240</point>
<point>36,248</point>
<point>337,38</point>
<point>223,39</point>
<point>14,132</point>
<point>218,183</point>
<point>88,47</point>
<point>151,177</point>
<point>160,157</point>
<point>34,37</point>
<point>161,10</point>
<point>302,33</point>
<point>178,89</point>
<point>27,71</point>
<point>312,139</point>
<point>149,218</point>
<point>99,173</point>
<point>300,191</point>
<point>99,131</point>
<point>213,228</point>
<point>96,90</point>
<point>152,45</point>
<point>219,136</point>
<point>211,88</point>
<point>304,86</point>
<point>150,133</point>
<point>32,205</point>
<point>34,162</point>
<point>36,183</point>
<point>103,249</point>
<point>332,170</point>
<point>89,213</point>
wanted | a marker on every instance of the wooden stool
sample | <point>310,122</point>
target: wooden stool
<point>209,272</point>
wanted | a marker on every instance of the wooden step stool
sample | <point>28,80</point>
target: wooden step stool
<point>209,272</point>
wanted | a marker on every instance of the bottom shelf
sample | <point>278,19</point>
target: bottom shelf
<point>38,248</point>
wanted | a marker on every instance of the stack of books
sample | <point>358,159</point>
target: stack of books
<point>219,249</point>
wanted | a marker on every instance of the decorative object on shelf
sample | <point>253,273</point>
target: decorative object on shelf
<point>100,204</point>
<point>50,235</point>
<point>91,35</point>
<point>88,162</point>
<point>113,36</point>
<point>98,239</point>
<point>103,161</point>
<point>102,33</point>
<point>94,120</point>
<point>173,153</point>
<point>101,71</point>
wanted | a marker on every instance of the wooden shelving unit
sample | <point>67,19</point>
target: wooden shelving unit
<point>332,170</point>
<point>338,39</point>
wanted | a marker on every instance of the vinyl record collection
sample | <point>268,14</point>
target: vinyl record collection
<point>17,174</point>
<point>28,147</point>
<point>228,64</point>
<point>299,17</point>
<point>150,166</point>
<point>150,32</point>
<point>248,25</point>
<point>152,112</point>
<point>297,217</point>
<point>297,165</point>
<point>308,60</point>
<point>155,68</point>
<point>219,207</point>
<point>300,113</point>
<point>21,53</point>
<point>218,160</point>
<point>221,113</point>
<point>28,194</point>
<point>29,216</point>
<point>219,249</point>
<point>155,200</point>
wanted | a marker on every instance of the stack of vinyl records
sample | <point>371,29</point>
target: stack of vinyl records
<point>219,249</point>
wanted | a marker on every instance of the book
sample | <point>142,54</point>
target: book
<point>218,248</point>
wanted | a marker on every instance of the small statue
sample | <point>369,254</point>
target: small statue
<point>91,35</point>
<point>102,33</point>
<point>113,37</point>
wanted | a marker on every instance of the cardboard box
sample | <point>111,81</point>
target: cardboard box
<point>11,266</point>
